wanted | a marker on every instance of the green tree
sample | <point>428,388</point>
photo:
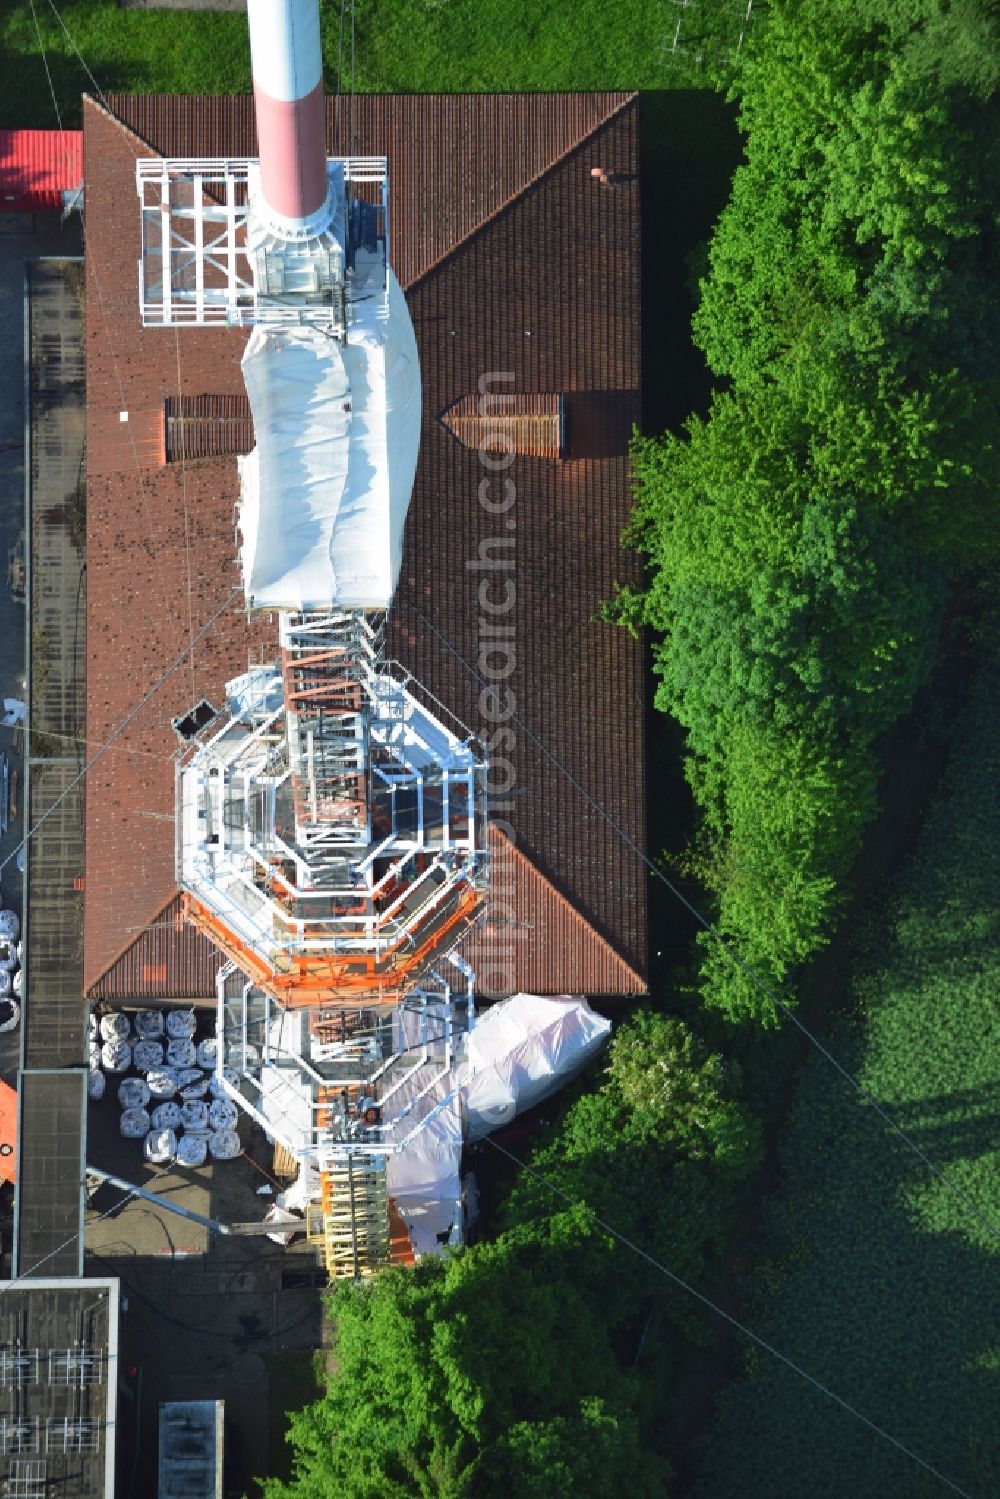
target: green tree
<point>800,539</point>
<point>435,1364</point>
<point>675,1092</point>
<point>592,1453</point>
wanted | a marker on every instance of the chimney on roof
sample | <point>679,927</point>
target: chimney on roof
<point>287,61</point>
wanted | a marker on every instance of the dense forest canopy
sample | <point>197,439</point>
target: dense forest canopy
<point>801,537</point>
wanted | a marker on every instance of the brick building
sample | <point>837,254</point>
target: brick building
<point>514,226</point>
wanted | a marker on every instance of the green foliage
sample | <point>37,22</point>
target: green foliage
<point>674,1094</point>
<point>593,1453</point>
<point>468,1365</point>
<point>800,538</point>
<point>662,1164</point>
<point>877,1278</point>
<point>497,1371</point>
<point>795,627</point>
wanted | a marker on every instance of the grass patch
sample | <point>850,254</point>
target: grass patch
<point>417,46</point>
<point>873,1276</point>
<point>400,46</point>
<point>185,52</point>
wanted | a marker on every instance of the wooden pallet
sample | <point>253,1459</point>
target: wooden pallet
<point>284,1166</point>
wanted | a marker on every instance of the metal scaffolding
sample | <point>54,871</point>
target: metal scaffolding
<point>203,263</point>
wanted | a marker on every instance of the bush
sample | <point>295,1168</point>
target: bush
<point>801,537</point>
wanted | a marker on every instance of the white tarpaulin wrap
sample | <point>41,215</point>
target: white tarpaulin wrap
<point>518,1053</point>
<point>303,1190</point>
<point>324,494</point>
<point>424,1178</point>
<point>522,1050</point>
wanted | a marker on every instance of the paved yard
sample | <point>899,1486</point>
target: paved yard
<point>207,1317</point>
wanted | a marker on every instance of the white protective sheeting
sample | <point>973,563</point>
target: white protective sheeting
<point>278,1215</point>
<point>303,1190</point>
<point>424,1178</point>
<point>520,1051</point>
<point>286,1104</point>
<point>324,494</point>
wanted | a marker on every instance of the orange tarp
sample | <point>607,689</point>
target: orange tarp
<point>8,1133</point>
<point>400,1248</point>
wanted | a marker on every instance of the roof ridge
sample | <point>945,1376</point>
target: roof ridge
<point>478,202</point>
<point>109,114</point>
<point>625,99</point>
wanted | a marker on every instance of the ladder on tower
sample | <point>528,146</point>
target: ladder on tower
<point>354,1222</point>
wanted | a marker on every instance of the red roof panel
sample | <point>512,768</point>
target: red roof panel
<point>37,167</point>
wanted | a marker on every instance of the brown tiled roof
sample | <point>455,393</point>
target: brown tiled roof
<point>516,261</point>
<point>528,423</point>
<point>168,959</point>
<point>456,159</point>
<point>534,940</point>
<point>123,444</point>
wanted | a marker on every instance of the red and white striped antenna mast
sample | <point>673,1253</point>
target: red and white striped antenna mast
<point>295,245</point>
<point>287,60</point>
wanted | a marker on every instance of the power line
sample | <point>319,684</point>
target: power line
<point>432,1022</point>
<point>184,492</point>
<point>353,135</point>
<point>45,65</point>
<point>79,54</point>
<point>193,640</point>
<point>340,79</point>
<point>76,740</point>
<point>703,921</point>
<point>91,262</point>
<point>992,1228</point>
<point>25,1274</point>
<point>719,1311</point>
<point>100,290</point>
<point>636,1249</point>
<point>121,728</point>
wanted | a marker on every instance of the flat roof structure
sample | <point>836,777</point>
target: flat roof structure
<point>53,1022</point>
<point>38,168</point>
<point>51,1164</point>
<point>191,1449</point>
<point>58,1387</point>
<point>521,269</point>
<point>52,1082</point>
